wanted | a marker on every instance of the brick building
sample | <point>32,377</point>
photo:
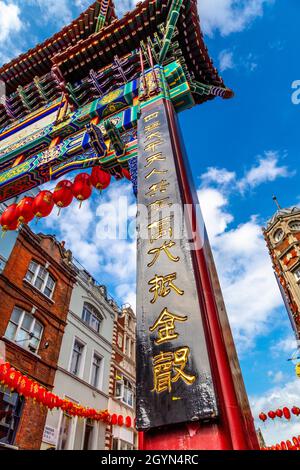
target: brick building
<point>122,381</point>
<point>282,235</point>
<point>36,282</point>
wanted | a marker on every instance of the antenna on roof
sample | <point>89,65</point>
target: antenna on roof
<point>276,202</point>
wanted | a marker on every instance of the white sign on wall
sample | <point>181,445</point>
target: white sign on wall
<point>50,435</point>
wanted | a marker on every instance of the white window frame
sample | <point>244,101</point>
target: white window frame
<point>83,356</point>
<point>96,314</point>
<point>121,396</point>
<point>99,385</point>
<point>45,282</point>
<point>19,327</point>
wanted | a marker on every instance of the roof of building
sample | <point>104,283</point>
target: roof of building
<point>79,46</point>
<point>281,213</point>
<point>38,61</point>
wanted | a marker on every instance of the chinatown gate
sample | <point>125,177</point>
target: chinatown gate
<point>105,92</point>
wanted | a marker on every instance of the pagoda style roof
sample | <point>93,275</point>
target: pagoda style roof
<point>79,46</point>
<point>38,61</point>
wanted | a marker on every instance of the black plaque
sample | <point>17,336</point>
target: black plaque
<point>174,380</point>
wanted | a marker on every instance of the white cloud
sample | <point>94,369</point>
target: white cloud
<point>10,20</point>
<point>276,377</point>
<point>229,16</point>
<point>267,169</point>
<point>226,60</point>
<point>278,397</point>
<point>51,12</point>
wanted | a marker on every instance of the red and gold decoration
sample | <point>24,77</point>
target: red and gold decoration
<point>23,385</point>
<point>8,219</point>
<point>293,444</point>
<point>285,412</point>
<point>100,179</point>
<point>43,204</point>
<point>24,210</point>
<point>82,187</point>
<point>62,196</point>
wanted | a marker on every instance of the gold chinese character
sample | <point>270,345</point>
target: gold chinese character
<point>154,158</point>
<point>181,357</point>
<point>156,135</point>
<point>165,364</point>
<point>155,172</point>
<point>151,116</point>
<point>151,147</point>
<point>162,285</point>
<point>165,325</point>
<point>161,229</point>
<point>159,204</point>
<point>151,127</point>
<point>166,249</point>
<point>158,187</point>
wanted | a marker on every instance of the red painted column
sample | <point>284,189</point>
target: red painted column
<point>234,429</point>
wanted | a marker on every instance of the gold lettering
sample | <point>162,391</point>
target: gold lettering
<point>158,187</point>
<point>165,326</point>
<point>164,248</point>
<point>162,286</point>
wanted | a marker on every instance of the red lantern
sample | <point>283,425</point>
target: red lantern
<point>100,179</point>
<point>278,447</point>
<point>286,413</point>
<point>82,187</point>
<point>63,195</point>
<point>279,413</point>
<point>283,445</point>
<point>43,204</point>
<point>263,417</point>
<point>9,219</point>
<point>272,415</point>
<point>24,210</point>
<point>128,422</point>
<point>120,420</point>
<point>126,174</point>
<point>4,371</point>
<point>289,445</point>
<point>296,410</point>
<point>296,441</point>
<point>114,419</point>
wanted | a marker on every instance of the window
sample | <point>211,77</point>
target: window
<point>65,432</point>
<point>295,225</point>
<point>96,369</point>
<point>88,435</point>
<point>127,346</point>
<point>2,264</point>
<point>11,405</point>
<point>24,329</point>
<point>41,279</point>
<point>91,317</point>
<point>125,391</point>
<point>278,235</point>
<point>118,444</point>
<point>297,274</point>
<point>76,357</point>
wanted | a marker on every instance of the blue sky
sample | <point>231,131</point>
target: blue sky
<point>241,151</point>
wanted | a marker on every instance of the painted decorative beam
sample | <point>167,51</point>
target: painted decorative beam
<point>170,27</point>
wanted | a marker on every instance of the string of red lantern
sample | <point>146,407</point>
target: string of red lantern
<point>64,192</point>
<point>285,445</point>
<point>21,384</point>
<point>279,413</point>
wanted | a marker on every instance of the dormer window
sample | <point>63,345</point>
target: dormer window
<point>278,235</point>
<point>295,225</point>
<point>41,279</point>
<point>92,317</point>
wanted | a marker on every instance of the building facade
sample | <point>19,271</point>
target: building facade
<point>83,367</point>
<point>122,382</point>
<point>282,235</point>
<point>36,283</point>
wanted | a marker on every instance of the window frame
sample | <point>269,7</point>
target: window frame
<point>296,273</point>
<point>296,221</point>
<point>98,386</point>
<point>17,410</point>
<point>124,390</point>
<point>82,358</point>
<point>19,325</point>
<point>94,313</point>
<point>36,275</point>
